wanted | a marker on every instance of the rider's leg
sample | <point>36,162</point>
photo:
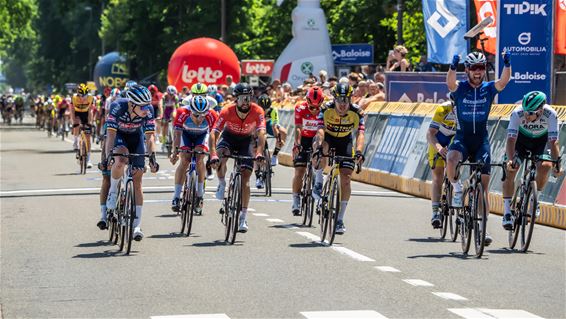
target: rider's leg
<point>345,190</point>
<point>180,174</point>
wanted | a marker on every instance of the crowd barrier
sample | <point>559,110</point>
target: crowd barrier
<point>396,153</point>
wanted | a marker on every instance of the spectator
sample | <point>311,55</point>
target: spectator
<point>396,60</point>
<point>185,91</point>
<point>344,80</point>
<point>332,81</point>
<point>362,91</point>
<point>322,75</point>
<point>424,65</point>
<point>379,77</point>
<point>375,94</point>
<point>230,83</point>
<point>365,72</point>
<point>354,78</point>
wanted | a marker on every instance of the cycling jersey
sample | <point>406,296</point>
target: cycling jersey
<point>546,123</point>
<point>444,120</point>
<point>306,119</point>
<point>473,106</point>
<point>119,119</point>
<point>155,98</point>
<point>82,103</point>
<point>228,120</point>
<point>170,100</point>
<point>272,116</point>
<point>184,122</point>
<point>340,126</point>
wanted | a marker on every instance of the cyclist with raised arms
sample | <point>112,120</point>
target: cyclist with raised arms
<point>238,122</point>
<point>131,130</point>
<point>531,126</point>
<point>337,121</point>
<point>441,130</point>
<point>193,123</point>
<point>306,126</point>
<point>473,98</point>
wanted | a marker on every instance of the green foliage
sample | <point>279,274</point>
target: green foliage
<point>15,22</point>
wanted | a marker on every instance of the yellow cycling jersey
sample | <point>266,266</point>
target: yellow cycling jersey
<point>444,119</point>
<point>340,126</point>
<point>82,103</point>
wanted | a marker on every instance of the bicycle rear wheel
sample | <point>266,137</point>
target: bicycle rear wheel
<point>192,201</point>
<point>267,169</point>
<point>307,202</point>
<point>334,208</point>
<point>479,215</point>
<point>444,212</point>
<point>529,218</point>
<point>466,221</point>
<point>517,215</point>
<point>129,214</point>
<point>83,155</point>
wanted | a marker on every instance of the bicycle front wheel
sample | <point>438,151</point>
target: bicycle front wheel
<point>465,221</point>
<point>517,215</point>
<point>235,206</point>
<point>479,215</point>
<point>129,215</point>
<point>307,202</point>
<point>529,218</point>
<point>324,211</point>
<point>267,170</point>
<point>444,212</point>
<point>334,208</point>
<point>192,201</point>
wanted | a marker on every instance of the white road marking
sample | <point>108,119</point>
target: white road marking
<point>469,313</point>
<point>343,314</point>
<point>351,253</point>
<point>203,316</point>
<point>449,296</point>
<point>309,235</point>
<point>259,214</point>
<point>387,269</point>
<point>251,210</point>
<point>275,220</point>
<point>418,282</point>
<point>508,313</point>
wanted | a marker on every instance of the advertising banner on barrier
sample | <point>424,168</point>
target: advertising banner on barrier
<point>525,30</point>
<point>484,9</point>
<point>446,24</point>
<point>429,87</point>
<point>418,153</point>
<point>352,53</point>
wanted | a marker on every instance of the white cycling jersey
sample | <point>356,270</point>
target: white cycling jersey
<point>546,123</point>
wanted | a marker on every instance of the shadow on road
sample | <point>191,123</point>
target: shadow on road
<point>440,256</point>
<point>67,174</point>
<point>307,245</point>
<point>105,254</point>
<point>507,251</point>
<point>287,226</point>
<point>167,215</point>
<point>429,240</point>
<point>216,243</point>
<point>57,151</point>
<point>95,244</point>
<point>170,235</point>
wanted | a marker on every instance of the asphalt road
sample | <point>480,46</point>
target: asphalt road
<point>389,264</point>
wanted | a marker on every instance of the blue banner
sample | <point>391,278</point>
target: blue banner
<point>411,87</point>
<point>446,22</point>
<point>352,53</point>
<point>525,30</point>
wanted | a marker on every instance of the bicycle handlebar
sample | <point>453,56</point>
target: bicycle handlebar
<point>338,158</point>
<point>179,150</point>
<point>479,165</point>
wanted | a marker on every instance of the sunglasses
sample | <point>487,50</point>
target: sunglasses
<point>244,98</point>
<point>531,113</point>
<point>342,99</point>
<point>477,67</point>
<point>198,115</point>
<point>313,108</point>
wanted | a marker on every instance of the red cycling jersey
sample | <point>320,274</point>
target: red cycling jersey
<point>155,98</point>
<point>229,121</point>
<point>305,118</point>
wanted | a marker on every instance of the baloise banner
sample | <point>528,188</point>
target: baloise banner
<point>525,30</point>
<point>411,87</point>
<point>446,22</point>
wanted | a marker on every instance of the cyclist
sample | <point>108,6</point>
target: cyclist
<point>193,123</point>
<point>440,132</point>
<point>238,122</point>
<point>473,98</point>
<point>81,113</point>
<point>213,92</point>
<point>337,122</point>
<point>19,103</point>
<point>531,126</point>
<point>170,102</point>
<point>62,109</point>
<point>306,126</point>
<point>157,103</point>
<point>130,129</point>
<point>50,115</point>
<point>202,90</point>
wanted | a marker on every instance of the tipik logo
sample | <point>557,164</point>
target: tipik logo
<point>202,75</point>
<point>524,38</point>
<point>525,8</point>
<point>442,13</point>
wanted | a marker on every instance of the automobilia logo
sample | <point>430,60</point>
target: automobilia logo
<point>525,8</point>
<point>524,39</point>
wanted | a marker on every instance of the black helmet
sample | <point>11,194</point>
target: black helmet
<point>342,90</point>
<point>242,88</point>
<point>264,101</point>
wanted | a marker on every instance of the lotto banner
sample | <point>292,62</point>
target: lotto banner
<point>525,30</point>
<point>484,9</point>
<point>560,27</point>
<point>446,24</point>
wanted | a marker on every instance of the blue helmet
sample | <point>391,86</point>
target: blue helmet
<point>199,105</point>
<point>129,84</point>
<point>138,95</point>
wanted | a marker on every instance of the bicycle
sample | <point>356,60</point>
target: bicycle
<point>329,207</point>
<point>446,209</point>
<point>84,146</point>
<point>266,170</point>
<point>307,201</point>
<point>189,194</point>
<point>525,202</point>
<point>472,217</point>
<point>232,206</point>
<point>167,147</point>
<point>125,212</point>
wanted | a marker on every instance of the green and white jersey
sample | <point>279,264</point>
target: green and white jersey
<point>546,123</point>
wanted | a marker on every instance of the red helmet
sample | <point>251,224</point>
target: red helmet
<point>315,96</point>
<point>153,89</point>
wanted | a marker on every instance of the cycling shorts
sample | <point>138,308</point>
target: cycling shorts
<point>537,146</point>
<point>167,113</point>
<point>135,143</point>
<point>473,148</point>
<point>343,146</point>
<point>303,156</point>
<point>269,128</point>
<point>233,144</point>
<point>444,141</point>
<point>157,114</point>
<point>190,141</point>
<point>61,113</point>
<point>83,116</point>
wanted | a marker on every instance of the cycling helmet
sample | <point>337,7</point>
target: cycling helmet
<point>199,105</point>
<point>186,101</point>
<point>315,96</point>
<point>533,101</point>
<point>264,101</point>
<point>138,95</point>
<point>342,90</point>
<point>115,92</point>
<point>82,89</point>
<point>242,89</point>
<point>130,83</point>
<point>212,89</point>
<point>172,90</point>
<point>49,101</point>
<point>153,89</point>
<point>474,58</point>
<point>199,88</point>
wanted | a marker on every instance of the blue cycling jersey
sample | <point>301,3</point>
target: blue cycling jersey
<point>121,120</point>
<point>473,106</point>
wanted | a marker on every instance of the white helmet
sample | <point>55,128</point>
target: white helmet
<point>172,90</point>
<point>474,58</point>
